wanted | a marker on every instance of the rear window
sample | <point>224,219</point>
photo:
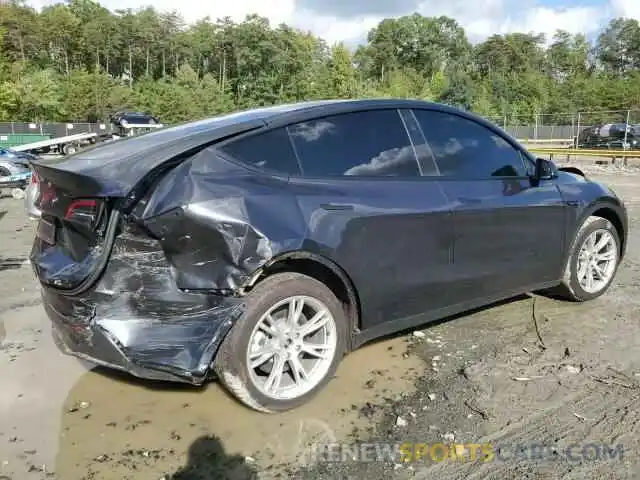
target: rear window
<point>370,143</point>
<point>270,151</point>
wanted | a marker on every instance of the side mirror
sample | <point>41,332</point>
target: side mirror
<point>545,169</point>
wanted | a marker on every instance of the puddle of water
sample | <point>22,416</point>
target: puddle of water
<point>125,415</point>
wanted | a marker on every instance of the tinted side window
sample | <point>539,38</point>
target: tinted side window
<point>464,148</point>
<point>266,151</point>
<point>373,143</point>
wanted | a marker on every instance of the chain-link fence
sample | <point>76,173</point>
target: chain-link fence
<point>54,130</point>
<point>544,127</point>
<point>562,127</point>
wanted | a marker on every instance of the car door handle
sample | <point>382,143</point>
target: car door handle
<point>336,206</point>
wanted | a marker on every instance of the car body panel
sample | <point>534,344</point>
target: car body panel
<point>509,234</point>
<point>136,319</point>
<point>584,197</point>
<point>172,265</point>
<point>378,234</point>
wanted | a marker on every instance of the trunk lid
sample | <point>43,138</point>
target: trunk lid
<point>71,235</point>
<point>82,197</point>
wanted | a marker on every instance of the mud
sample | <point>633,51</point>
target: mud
<point>489,376</point>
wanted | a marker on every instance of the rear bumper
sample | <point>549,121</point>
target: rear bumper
<point>135,319</point>
<point>172,348</point>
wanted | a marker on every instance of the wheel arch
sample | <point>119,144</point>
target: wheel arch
<point>322,269</point>
<point>611,210</point>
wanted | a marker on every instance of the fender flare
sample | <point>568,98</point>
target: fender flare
<point>608,203</point>
<point>352,293</point>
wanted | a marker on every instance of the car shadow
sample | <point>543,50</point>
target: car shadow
<point>2,213</point>
<point>207,459</point>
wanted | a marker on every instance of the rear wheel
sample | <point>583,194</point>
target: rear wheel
<point>287,345</point>
<point>593,261</point>
<point>69,148</point>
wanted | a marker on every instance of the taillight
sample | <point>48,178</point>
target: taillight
<point>34,178</point>
<point>47,195</point>
<point>85,211</point>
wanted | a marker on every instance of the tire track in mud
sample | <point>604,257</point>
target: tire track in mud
<point>507,389</point>
<point>607,417</point>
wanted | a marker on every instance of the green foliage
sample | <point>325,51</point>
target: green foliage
<point>76,60</point>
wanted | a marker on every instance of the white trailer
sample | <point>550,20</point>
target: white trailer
<point>65,145</point>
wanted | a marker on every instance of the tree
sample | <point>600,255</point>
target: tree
<point>39,96</point>
<point>618,49</point>
<point>77,60</point>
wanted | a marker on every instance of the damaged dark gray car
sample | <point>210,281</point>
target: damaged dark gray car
<point>262,246</point>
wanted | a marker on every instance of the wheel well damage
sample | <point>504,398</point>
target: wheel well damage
<point>223,234</point>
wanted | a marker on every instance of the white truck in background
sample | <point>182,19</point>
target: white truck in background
<point>67,145</point>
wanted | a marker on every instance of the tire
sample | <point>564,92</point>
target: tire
<point>4,172</point>
<point>571,287</point>
<point>231,364</point>
<point>69,149</point>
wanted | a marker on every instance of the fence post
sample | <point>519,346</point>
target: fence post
<point>626,130</point>
<point>13,130</point>
<point>575,144</point>
<point>535,128</point>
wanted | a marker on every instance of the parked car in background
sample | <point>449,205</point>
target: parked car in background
<point>614,136</point>
<point>124,118</point>
<point>14,162</point>
<point>130,124</point>
<point>264,245</point>
<point>15,172</point>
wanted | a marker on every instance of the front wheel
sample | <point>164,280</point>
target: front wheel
<point>593,261</point>
<point>286,346</point>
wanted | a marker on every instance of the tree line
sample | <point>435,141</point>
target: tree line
<point>78,61</point>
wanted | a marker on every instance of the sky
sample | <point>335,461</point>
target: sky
<point>350,20</point>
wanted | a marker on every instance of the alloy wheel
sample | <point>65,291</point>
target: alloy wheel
<point>292,347</point>
<point>597,261</point>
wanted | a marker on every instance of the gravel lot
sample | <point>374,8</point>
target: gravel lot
<point>485,377</point>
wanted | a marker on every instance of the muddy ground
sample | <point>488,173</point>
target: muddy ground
<point>486,377</point>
